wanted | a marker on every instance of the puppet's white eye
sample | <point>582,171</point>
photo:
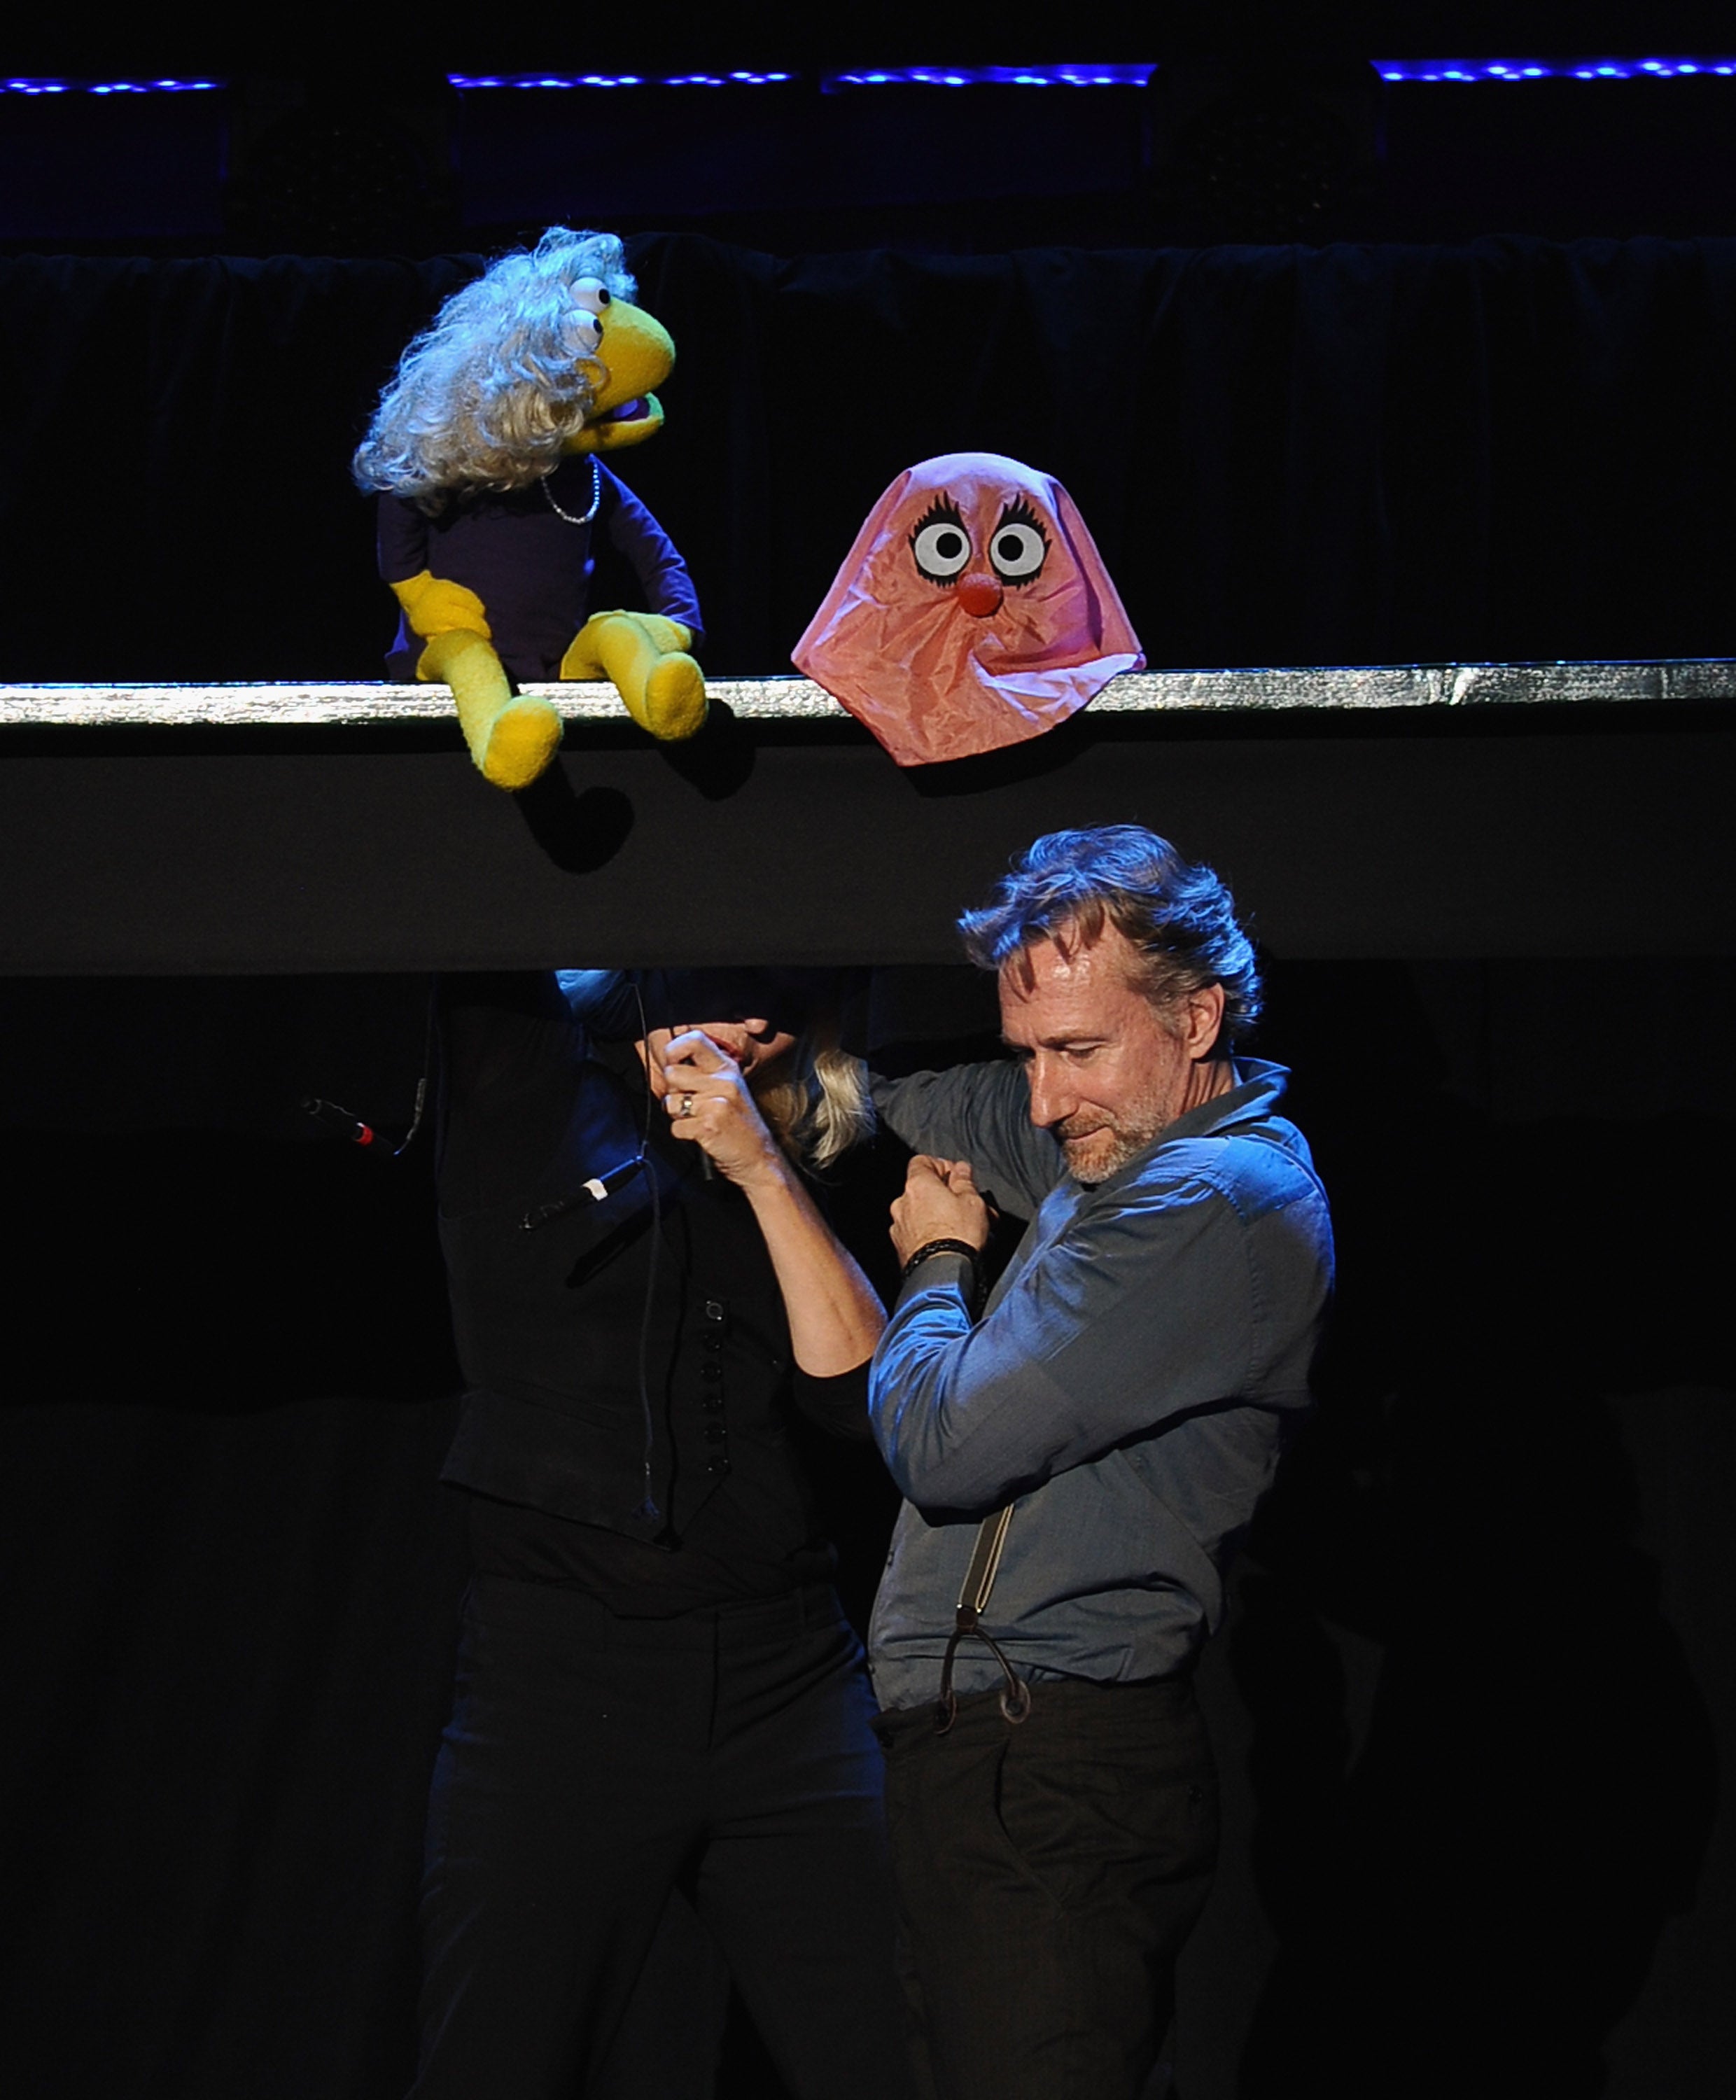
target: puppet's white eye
<point>942,547</point>
<point>584,332</point>
<point>1016,551</point>
<point>592,293</point>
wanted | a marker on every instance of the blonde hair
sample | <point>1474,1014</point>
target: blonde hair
<point>823,1107</point>
<point>488,396</point>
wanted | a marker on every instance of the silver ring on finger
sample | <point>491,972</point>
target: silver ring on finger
<point>687,1105</point>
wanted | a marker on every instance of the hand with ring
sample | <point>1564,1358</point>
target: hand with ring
<point>708,1100</point>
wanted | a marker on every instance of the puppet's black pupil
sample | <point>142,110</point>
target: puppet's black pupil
<point>1017,551</point>
<point>948,545</point>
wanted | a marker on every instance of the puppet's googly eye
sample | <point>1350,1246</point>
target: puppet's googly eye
<point>941,546</point>
<point>1016,550</point>
<point>591,294</point>
<point>941,550</point>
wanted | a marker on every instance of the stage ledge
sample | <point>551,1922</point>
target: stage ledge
<point>1306,687</point>
<point>1469,810</point>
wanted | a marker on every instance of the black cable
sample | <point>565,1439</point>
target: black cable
<point>431,1039</point>
<point>648,1507</point>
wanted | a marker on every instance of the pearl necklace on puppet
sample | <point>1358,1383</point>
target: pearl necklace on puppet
<point>596,496</point>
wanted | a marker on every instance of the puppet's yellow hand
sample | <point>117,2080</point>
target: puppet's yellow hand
<point>647,657</point>
<point>432,605</point>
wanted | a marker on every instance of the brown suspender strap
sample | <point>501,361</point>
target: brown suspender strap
<point>973,1601</point>
<point>985,1561</point>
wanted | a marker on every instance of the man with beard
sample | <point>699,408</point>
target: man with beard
<point>1079,1458</point>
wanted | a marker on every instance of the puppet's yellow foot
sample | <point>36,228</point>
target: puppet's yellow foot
<point>646,655</point>
<point>511,738</point>
<point>673,704</point>
<point>521,743</point>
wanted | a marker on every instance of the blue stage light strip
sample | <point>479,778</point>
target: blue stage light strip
<point>1069,76</point>
<point>1396,70</point>
<point>468,81</point>
<point>1484,70</point>
<point>1043,76</point>
<point>32,86</point>
<point>1400,71</point>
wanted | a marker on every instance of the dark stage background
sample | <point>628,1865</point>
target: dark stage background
<point>1481,1660</point>
<point>1508,450</point>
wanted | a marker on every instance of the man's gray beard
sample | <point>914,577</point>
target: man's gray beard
<point>1126,1149</point>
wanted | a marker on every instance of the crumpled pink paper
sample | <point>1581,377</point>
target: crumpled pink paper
<point>935,679</point>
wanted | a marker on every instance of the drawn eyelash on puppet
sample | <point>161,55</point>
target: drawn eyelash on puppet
<point>940,545</point>
<point>1020,546</point>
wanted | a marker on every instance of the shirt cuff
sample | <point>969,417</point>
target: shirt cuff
<point>941,1270</point>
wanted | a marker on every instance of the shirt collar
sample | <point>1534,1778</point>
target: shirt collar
<point>1259,1085</point>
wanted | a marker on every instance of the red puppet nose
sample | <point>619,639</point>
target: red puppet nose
<point>979,594</point>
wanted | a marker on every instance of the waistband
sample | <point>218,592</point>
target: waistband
<point>979,1713</point>
<point>754,1622</point>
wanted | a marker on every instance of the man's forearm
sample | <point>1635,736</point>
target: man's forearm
<point>979,1113</point>
<point>959,1424</point>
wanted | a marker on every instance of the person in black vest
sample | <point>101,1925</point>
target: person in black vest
<point>661,1713</point>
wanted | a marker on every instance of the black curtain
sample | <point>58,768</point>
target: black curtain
<point>1512,449</point>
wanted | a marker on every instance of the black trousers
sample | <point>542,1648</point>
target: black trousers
<point>1048,1874</point>
<point>595,1765</point>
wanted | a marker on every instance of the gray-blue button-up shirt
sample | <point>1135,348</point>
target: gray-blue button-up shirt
<point>1127,1387</point>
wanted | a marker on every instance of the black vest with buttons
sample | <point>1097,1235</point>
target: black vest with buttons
<point>562,1415</point>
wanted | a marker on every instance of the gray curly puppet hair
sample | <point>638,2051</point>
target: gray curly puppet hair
<point>489,395</point>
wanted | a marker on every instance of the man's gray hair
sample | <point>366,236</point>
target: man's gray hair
<point>1176,912</point>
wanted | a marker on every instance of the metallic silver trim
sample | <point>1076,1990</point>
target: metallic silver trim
<point>799,699</point>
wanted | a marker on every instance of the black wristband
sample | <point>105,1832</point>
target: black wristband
<point>939,1246</point>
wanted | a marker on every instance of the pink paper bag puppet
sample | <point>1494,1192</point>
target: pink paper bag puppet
<point>973,611</point>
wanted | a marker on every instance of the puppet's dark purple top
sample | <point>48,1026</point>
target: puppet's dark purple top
<point>530,566</point>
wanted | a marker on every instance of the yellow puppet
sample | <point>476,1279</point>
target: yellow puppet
<point>485,453</point>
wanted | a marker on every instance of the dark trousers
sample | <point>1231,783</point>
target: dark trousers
<point>1048,1873</point>
<point>595,1765</point>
